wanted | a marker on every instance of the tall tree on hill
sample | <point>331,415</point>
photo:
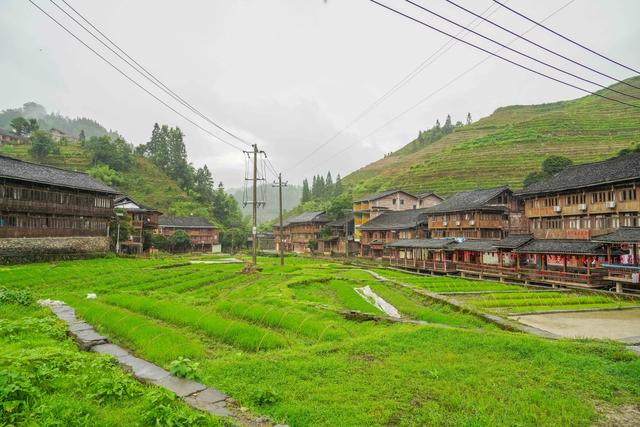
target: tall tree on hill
<point>24,127</point>
<point>42,145</point>
<point>177,166</point>
<point>448,126</point>
<point>306,192</point>
<point>437,126</point>
<point>203,185</point>
<point>469,120</point>
<point>82,137</point>
<point>338,187</point>
<point>328,185</point>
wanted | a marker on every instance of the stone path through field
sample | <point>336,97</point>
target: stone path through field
<point>370,296</point>
<point>197,395</point>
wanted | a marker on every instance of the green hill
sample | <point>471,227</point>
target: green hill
<point>503,148</point>
<point>145,182</point>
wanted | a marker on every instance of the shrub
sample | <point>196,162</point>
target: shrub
<point>163,409</point>
<point>265,397</point>
<point>184,368</point>
<point>16,296</point>
<point>17,395</point>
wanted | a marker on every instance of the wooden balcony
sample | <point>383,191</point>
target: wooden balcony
<point>427,265</point>
<point>11,232</point>
<point>53,208</point>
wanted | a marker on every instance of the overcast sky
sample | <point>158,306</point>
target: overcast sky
<point>289,74</point>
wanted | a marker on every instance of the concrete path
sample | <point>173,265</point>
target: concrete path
<point>193,393</point>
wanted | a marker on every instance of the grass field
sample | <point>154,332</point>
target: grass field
<point>275,341</point>
<point>46,381</point>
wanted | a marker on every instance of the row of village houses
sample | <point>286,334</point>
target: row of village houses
<point>45,209</point>
<point>580,227</point>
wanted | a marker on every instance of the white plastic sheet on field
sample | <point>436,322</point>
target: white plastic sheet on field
<point>373,298</point>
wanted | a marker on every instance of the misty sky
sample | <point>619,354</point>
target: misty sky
<point>288,74</point>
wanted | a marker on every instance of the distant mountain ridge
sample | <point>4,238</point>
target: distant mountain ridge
<point>503,148</point>
<point>46,121</point>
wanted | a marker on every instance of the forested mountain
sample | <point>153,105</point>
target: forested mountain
<point>503,148</point>
<point>46,121</point>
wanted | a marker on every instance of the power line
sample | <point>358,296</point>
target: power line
<point>519,52</point>
<point>406,79</point>
<point>140,69</point>
<point>449,83</point>
<point>131,79</point>
<point>567,38</point>
<point>539,45</point>
<point>540,73</point>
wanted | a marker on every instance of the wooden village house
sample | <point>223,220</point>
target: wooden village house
<point>48,211</point>
<point>8,137</point>
<point>478,214</point>
<point>391,226</point>
<point>336,235</point>
<point>586,200</point>
<point>204,235</point>
<point>299,231</point>
<point>141,219</point>
<point>367,208</point>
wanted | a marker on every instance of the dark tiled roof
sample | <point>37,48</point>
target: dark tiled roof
<point>469,200</point>
<point>380,195</point>
<point>621,235</point>
<point>396,220</point>
<point>513,241</point>
<point>423,243</point>
<point>619,169</point>
<point>32,172</point>
<point>307,217</point>
<point>477,245</point>
<point>185,222</point>
<point>141,208</point>
<point>554,247</point>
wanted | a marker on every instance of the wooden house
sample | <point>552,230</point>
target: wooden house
<point>204,235</point>
<point>428,199</point>
<point>586,200</point>
<point>367,208</point>
<point>480,214</point>
<point>299,231</point>
<point>389,227</point>
<point>50,210</point>
<point>622,262</point>
<point>58,135</point>
<point>8,137</point>
<point>337,234</point>
<point>432,255</point>
<point>141,218</point>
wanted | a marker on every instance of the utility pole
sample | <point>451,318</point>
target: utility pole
<point>280,185</point>
<point>254,202</point>
<point>254,229</point>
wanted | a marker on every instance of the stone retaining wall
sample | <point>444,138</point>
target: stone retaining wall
<point>28,249</point>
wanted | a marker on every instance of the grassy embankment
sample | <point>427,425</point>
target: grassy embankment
<point>46,381</point>
<point>274,341</point>
<point>503,148</point>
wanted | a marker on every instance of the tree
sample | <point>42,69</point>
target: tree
<point>203,185</point>
<point>448,127</point>
<point>24,127</point>
<point>116,154</point>
<point>554,164</point>
<point>42,145</point>
<point>328,185</point>
<point>338,187</point>
<point>437,126</point>
<point>533,177</point>
<point>82,137</point>
<point>125,227</point>
<point>306,192</point>
<point>180,241</point>
<point>105,174</point>
<point>469,120</point>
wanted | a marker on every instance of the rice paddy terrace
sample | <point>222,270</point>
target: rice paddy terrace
<point>503,148</point>
<point>279,342</point>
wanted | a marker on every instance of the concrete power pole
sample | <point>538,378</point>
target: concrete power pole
<point>280,185</point>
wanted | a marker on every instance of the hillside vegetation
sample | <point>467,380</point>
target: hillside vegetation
<point>145,182</point>
<point>503,148</point>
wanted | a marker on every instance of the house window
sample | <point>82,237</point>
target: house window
<point>401,201</point>
<point>394,201</point>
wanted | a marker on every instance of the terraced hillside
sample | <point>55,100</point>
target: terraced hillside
<point>145,182</point>
<point>503,148</point>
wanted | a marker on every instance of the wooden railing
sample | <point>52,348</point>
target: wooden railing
<point>53,208</point>
<point>430,265</point>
